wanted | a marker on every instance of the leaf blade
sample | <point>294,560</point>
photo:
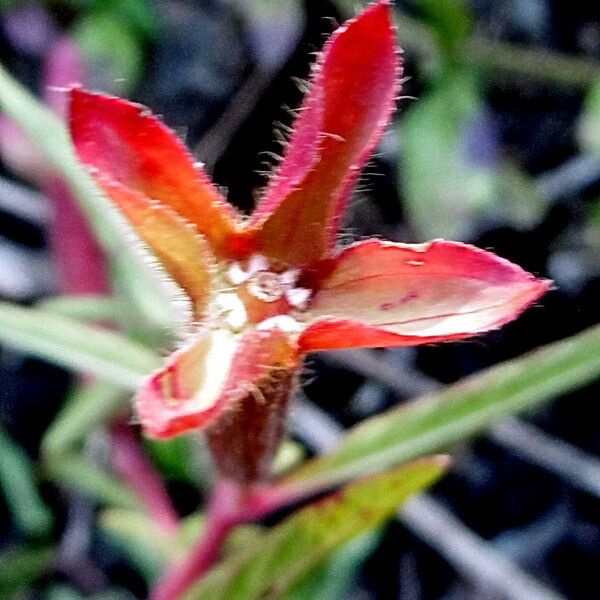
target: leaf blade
<point>76,345</point>
<point>76,471</point>
<point>17,481</point>
<point>277,561</point>
<point>86,408</point>
<point>456,412</point>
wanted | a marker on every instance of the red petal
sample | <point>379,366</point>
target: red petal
<point>182,251</point>
<point>386,294</point>
<point>209,375</point>
<point>125,144</point>
<point>354,84</point>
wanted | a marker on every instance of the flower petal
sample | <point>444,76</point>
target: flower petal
<point>386,294</point>
<point>125,144</point>
<point>208,376</point>
<point>350,102</point>
<point>183,252</point>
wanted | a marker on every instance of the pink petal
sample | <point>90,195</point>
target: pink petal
<point>80,262</point>
<point>209,375</point>
<point>123,143</point>
<point>386,294</point>
<point>63,68</point>
<point>354,84</point>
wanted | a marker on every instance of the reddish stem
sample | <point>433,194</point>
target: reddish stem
<point>222,515</point>
<point>132,464</point>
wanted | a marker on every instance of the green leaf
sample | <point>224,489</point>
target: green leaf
<point>85,409</point>
<point>334,579</point>
<point>86,308</point>
<point>18,485</point>
<point>279,559</point>
<point>522,206</point>
<point>450,20</point>
<point>79,473</point>
<point>177,458</point>
<point>140,15</point>
<point>63,592</point>
<point>289,455</point>
<point>137,536</point>
<point>22,566</point>
<point>75,345</point>
<point>443,188</point>
<point>456,412</point>
<point>111,49</point>
<point>593,216</point>
<point>145,316</point>
<point>149,549</point>
<point>588,123</point>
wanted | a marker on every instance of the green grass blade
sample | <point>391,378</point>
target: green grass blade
<point>456,412</point>
<point>279,559</point>
<point>18,485</point>
<point>86,408</point>
<point>79,473</point>
<point>75,345</point>
<point>86,308</point>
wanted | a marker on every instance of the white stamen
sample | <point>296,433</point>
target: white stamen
<point>289,278</point>
<point>298,297</point>
<point>266,286</point>
<point>283,322</point>
<point>236,274</point>
<point>232,311</point>
<point>257,263</point>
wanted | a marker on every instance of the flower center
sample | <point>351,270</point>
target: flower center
<point>259,293</point>
<point>266,286</point>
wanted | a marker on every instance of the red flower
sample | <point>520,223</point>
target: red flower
<point>266,290</point>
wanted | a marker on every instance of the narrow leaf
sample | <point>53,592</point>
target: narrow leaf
<point>85,409</point>
<point>278,560</point>
<point>75,345</point>
<point>457,412</point>
<point>86,308</point>
<point>17,483</point>
<point>139,539</point>
<point>588,122</point>
<point>334,579</point>
<point>79,473</point>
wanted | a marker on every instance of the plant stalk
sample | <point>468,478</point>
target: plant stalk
<point>222,515</point>
<point>130,461</point>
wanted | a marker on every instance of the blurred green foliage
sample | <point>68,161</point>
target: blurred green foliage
<point>18,484</point>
